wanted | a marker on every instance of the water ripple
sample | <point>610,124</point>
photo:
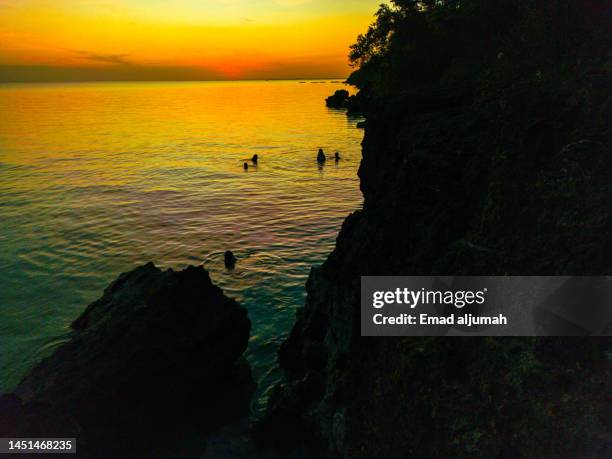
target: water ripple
<point>153,172</point>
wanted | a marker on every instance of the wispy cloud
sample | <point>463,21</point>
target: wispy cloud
<point>114,59</point>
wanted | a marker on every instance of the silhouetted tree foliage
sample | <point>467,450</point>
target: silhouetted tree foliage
<point>414,43</point>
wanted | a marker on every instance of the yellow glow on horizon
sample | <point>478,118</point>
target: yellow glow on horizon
<point>219,38</point>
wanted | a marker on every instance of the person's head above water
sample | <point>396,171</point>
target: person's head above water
<point>246,166</point>
<point>337,156</point>
<point>255,158</point>
<point>229,259</point>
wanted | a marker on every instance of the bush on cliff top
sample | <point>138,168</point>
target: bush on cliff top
<point>419,43</point>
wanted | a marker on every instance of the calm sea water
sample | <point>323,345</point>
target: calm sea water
<point>96,179</point>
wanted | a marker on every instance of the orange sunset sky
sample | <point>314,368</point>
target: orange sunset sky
<point>68,40</point>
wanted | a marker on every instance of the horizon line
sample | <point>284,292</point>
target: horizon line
<point>335,79</point>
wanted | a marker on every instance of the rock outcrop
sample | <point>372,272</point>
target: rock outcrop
<point>341,99</point>
<point>338,99</point>
<point>159,347</point>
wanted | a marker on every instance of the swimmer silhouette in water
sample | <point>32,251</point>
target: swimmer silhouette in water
<point>253,159</point>
<point>229,259</point>
<point>337,156</point>
<point>321,156</point>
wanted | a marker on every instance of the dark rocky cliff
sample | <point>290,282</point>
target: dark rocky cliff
<point>516,182</point>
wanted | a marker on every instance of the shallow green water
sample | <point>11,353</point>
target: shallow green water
<point>96,179</point>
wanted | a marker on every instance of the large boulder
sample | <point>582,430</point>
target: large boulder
<point>156,347</point>
<point>338,99</point>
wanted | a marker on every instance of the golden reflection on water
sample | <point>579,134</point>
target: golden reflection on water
<point>97,178</point>
<point>77,130</point>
